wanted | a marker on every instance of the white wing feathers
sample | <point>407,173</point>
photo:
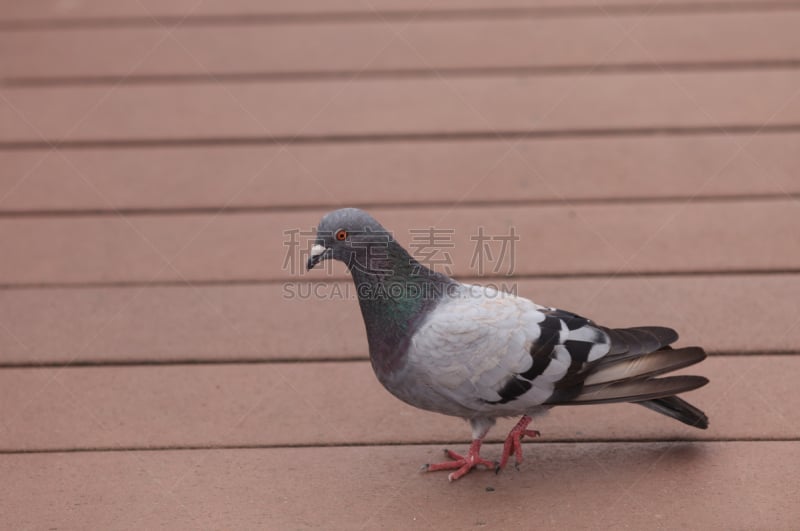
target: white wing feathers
<point>492,351</point>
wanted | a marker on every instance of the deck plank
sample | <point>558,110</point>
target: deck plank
<point>482,170</point>
<point>99,9</point>
<point>582,239</point>
<point>540,104</point>
<point>576,486</point>
<point>423,45</point>
<point>261,322</point>
<point>312,404</point>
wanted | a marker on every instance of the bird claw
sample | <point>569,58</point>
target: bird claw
<point>513,442</point>
<point>460,463</point>
<point>452,455</point>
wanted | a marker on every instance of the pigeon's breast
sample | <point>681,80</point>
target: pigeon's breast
<point>463,352</point>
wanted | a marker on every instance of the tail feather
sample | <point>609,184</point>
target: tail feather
<point>639,340</point>
<point>679,409</point>
<point>636,390</point>
<point>645,366</point>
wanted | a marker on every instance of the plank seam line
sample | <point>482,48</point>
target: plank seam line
<point>376,137</point>
<point>329,17</point>
<point>189,362</point>
<point>395,205</point>
<point>398,73</point>
<point>194,283</point>
<point>168,448</point>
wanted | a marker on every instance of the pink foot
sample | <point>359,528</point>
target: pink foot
<point>513,441</point>
<point>462,463</point>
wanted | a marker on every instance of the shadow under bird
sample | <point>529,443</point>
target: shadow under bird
<point>478,353</point>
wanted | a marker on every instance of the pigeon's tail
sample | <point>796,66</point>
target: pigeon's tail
<point>628,373</point>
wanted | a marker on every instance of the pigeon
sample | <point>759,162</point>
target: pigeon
<point>480,353</point>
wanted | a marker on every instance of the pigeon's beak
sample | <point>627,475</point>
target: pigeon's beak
<point>318,253</point>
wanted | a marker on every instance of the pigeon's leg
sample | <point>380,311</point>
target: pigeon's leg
<point>463,464</point>
<point>513,443</point>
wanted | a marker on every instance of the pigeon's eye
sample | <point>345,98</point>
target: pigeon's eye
<point>341,235</point>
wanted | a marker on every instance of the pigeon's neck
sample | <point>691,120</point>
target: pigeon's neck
<point>395,294</point>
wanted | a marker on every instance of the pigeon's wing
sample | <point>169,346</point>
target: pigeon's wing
<point>492,351</point>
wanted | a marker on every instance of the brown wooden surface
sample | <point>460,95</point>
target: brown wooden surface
<point>125,10</point>
<point>620,238</point>
<point>161,365</point>
<point>553,104</point>
<point>246,405</point>
<point>259,322</point>
<point>483,171</point>
<point>575,485</point>
<point>513,42</point>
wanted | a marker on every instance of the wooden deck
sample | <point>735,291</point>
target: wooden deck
<point>160,366</point>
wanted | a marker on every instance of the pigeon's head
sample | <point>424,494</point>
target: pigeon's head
<point>349,235</point>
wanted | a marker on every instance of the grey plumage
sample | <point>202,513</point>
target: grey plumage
<point>478,353</point>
